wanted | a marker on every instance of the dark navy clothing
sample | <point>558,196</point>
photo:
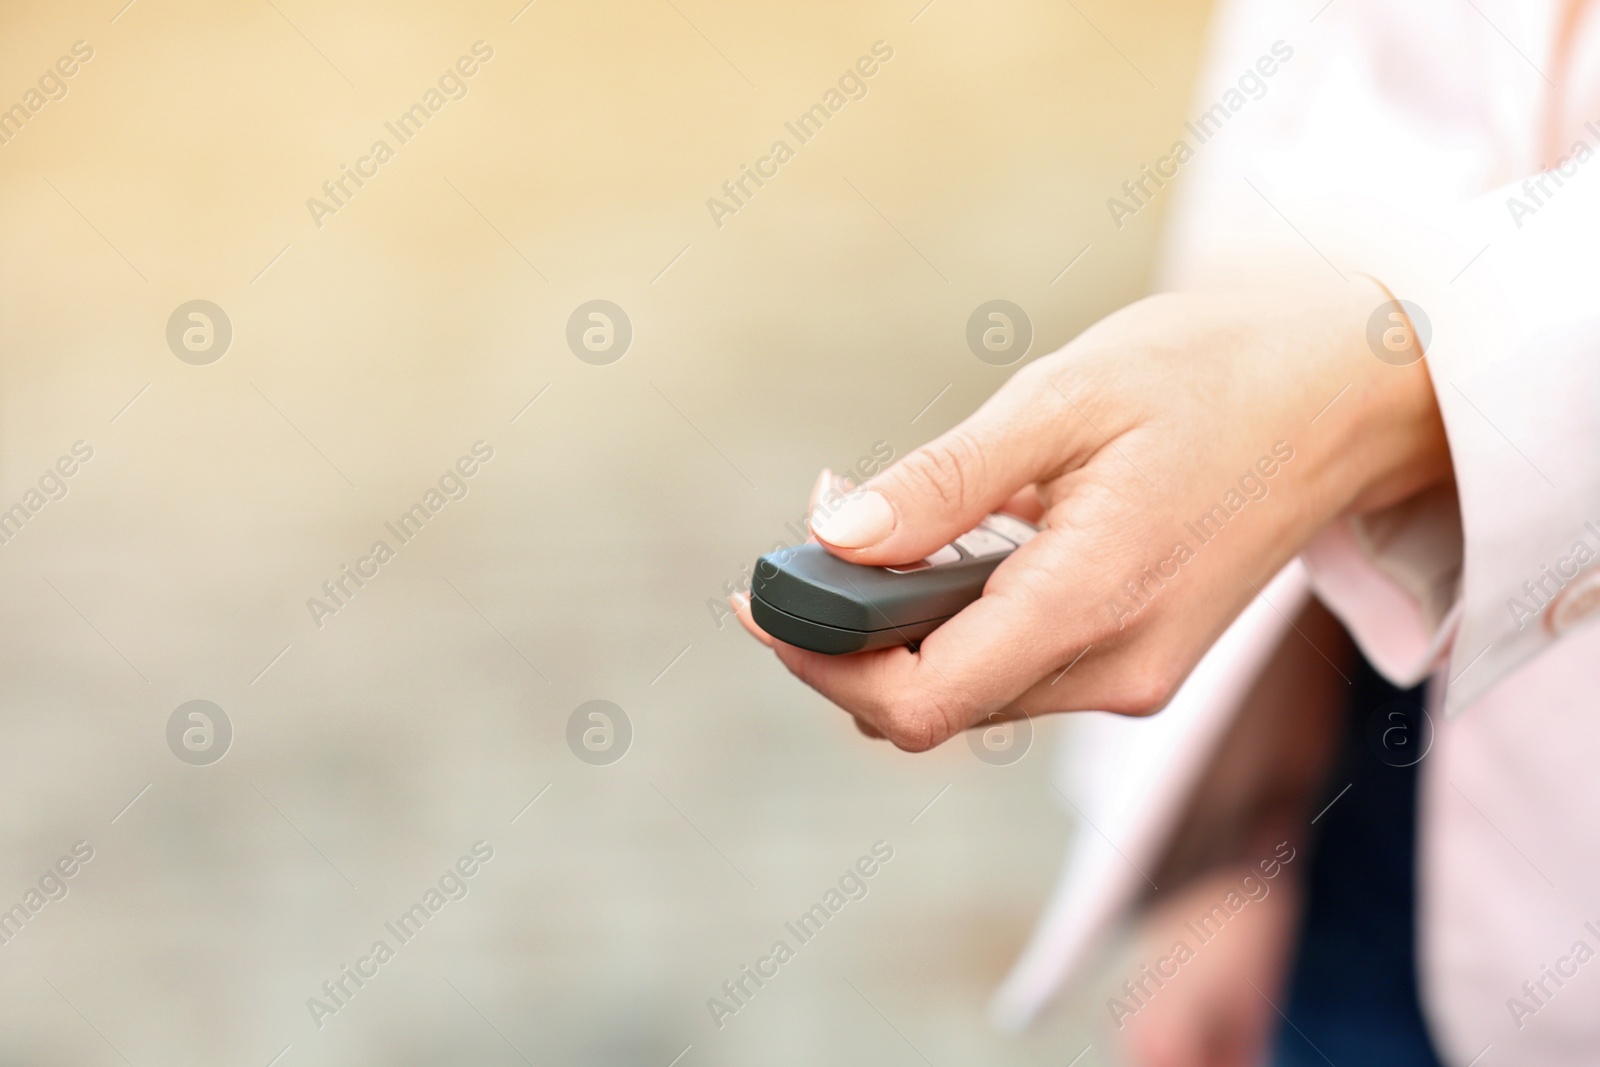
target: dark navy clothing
<point>1352,996</point>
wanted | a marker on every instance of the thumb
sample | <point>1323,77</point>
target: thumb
<point>945,488</point>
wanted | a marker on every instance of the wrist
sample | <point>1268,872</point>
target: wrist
<point>1385,438</point>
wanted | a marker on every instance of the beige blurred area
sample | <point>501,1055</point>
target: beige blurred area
<point>368,353</point>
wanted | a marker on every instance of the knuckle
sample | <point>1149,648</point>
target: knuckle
<point>906,726</point>
<point>950,469</point>
<point>1035,378</point>
<point>915,722</point>
<point>909,734</point>
<point>1145,690</point>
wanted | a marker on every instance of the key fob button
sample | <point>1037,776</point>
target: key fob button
<point>980,543</point>
<point>1011,528</point>
<point>947,554</point>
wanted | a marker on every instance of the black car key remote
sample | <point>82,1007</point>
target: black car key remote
<point>808,597</point>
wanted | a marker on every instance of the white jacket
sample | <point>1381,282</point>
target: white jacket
<point>1406,141</point>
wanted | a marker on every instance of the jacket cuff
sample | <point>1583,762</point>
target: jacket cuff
<point>1513,349</point>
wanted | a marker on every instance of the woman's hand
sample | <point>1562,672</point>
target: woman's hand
<point>1180,452</point>
<point>1221,1006</point>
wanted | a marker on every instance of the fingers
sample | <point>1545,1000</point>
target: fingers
<point>878,688</point>
<point>867,729</point>
<point>1025,504</point>
<point>1015,648</point>
<point>941,490</point>
<point>976,663</point>
<point>1104,675</point>
<point>740,602</point>
<point>1011,644</point>
<point>824,482</point>
<point>741,609</point>
<point>826,491</point>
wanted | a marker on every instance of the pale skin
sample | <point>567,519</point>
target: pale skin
<point>1114,443</point>
<point>1215,1012</point>
<point>1138,426</point>
<point>1257,796</point>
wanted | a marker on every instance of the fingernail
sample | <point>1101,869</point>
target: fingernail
<point>861,519</point>
<point>823,484</point>
<point>819,499</point>
<point>741,608</point>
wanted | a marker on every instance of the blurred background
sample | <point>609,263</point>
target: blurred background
<point>350,354</point>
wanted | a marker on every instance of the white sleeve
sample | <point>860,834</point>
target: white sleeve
<point>1510,284</point>
<point>1359,157</point>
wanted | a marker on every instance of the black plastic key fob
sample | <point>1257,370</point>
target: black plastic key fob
<point>808,597</point>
